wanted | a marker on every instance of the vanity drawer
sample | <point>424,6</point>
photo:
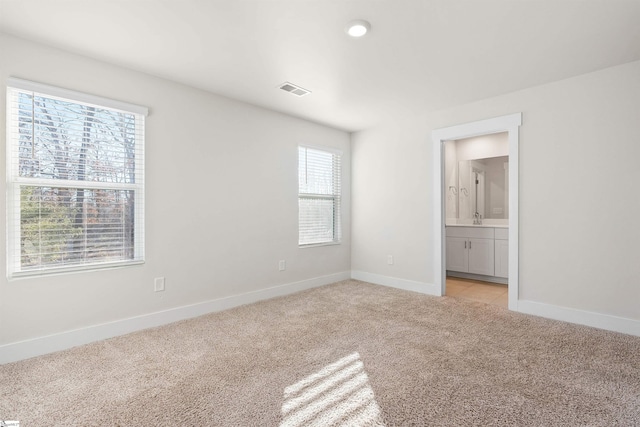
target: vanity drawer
<point>471,232</point>
<point>502,234</point>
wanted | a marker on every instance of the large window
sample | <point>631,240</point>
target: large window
<point>318,196</point>
<point>75,180</point>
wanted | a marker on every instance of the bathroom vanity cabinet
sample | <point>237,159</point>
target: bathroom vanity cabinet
<point>502,252</point>
<point>478,251</point>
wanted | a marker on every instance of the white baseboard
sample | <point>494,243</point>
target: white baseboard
<point>48,344</point>
<point>571,315</point>
<point>394,282</point>
<point>581,317</point>
<point>42,345</point>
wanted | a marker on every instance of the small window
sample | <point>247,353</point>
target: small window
<point>75,180</point>
<point>318,196</point>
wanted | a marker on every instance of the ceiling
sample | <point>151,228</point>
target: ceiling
<point>421,55</point>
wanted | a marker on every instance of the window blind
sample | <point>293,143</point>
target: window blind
<point>318,196</point>
<point>75,181</point>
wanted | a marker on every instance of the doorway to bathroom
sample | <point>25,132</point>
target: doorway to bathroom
<point>469,246</point>
<point>476,188</point>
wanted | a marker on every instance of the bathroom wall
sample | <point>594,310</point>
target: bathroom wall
<point>451,189</point>
<point>482,147</point>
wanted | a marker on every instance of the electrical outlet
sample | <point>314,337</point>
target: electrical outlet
<point>282,265</point>
<point>158,284</point>
<point>390,259</point>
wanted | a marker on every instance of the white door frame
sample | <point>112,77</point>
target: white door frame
<point>511,124</point>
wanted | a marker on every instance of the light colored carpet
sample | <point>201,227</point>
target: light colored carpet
<point>351,354</point>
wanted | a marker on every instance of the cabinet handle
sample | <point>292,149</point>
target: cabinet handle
<point>469,244</point>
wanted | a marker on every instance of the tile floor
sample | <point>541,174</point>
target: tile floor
<point>490,293</point>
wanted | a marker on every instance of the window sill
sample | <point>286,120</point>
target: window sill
<point>315,245</point>
<point>71,270</point>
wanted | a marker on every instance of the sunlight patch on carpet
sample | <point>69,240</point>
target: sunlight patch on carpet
<point>338,394</point>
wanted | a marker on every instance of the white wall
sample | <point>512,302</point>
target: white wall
<point>390,205</point>
<point>579,198</point>
<point>482,147</point>
<point>221,202</point>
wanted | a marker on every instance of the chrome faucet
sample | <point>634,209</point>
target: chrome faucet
<point>477,218</point>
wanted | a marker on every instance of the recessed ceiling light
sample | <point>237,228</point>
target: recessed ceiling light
<point>357,28</point>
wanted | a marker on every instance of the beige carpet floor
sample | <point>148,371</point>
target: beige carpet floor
<point>351,354</point>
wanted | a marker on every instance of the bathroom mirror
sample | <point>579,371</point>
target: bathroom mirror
<point>483,188</point>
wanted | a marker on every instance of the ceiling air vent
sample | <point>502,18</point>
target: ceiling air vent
<point>296,90</point>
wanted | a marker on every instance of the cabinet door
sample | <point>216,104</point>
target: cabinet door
<point>502,258</point>
<point>457,254</point>
<point>481,256</point>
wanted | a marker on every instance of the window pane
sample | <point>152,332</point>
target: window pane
<point>316,220</point>
<point>71,226</point>
<point>60,139</point>
<point>315,171</point>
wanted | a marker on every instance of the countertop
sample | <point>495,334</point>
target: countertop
<point>478,225</point>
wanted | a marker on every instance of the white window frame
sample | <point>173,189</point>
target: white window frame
<point>14,181</point>
<point>336,197</point>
